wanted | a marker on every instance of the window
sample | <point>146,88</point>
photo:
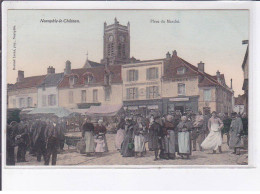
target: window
<point>95,95</point>
<point>52,100</point>
<point>21,103</point>
<point>132,93</point>
<point>73,80</point>
<point>132,75</point>
<point>29,102</point>
<point>89,79</point>
<point>152,73</point>
<point>70,97</point>
<point>152,92</point>
<point>107,93</point>
<point>14,102</point>
<point>181,89</point>
<point>181,70</point>
<point>83,96</point>
<point>44,100</point>
<point>207,95</point>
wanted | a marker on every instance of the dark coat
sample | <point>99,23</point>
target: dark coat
<point>155,135</point>
<point>87,127</point>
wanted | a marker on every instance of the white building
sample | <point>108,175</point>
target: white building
<point>48,91</point>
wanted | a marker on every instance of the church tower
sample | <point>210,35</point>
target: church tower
<point>116,48</point>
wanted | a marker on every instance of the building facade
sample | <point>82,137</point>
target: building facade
<point>142,85</point>
<point>48,95</point>
<point>23,94</point>
<point>161,85</point>
<point>85,87</point>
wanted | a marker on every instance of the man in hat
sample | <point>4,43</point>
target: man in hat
<point>38,139</point>
<point>52,141</point>
<point>22,140</point>
<point>10,142</point>
<point>236,129</point>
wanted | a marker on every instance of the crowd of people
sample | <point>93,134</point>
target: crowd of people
<point>168,136</point>
<point>40,137</point>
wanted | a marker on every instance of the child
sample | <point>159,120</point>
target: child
<point>100,145</point>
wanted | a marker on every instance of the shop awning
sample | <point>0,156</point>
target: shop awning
<point>103,110</point>
<point>59,111</point>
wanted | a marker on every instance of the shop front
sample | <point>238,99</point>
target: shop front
<point>182,104</point>
<point>143,107</point>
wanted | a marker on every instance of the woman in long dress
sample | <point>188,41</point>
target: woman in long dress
<point>184,137</point>
<point>100,129</point>
<point>169,127</point>
<point>214,140</point>
<point>88,135</point>
<point>120,134</point>
<point>139,140</point>
<point>127,148</point>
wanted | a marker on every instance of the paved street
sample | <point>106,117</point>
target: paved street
<point>71,157</point>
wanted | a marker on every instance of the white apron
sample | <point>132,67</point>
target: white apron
<point>213,140</point>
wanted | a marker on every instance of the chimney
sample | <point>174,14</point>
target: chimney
<point>20,76</point>
<point>174,53</point>
<point>50,70</point>
<point>218,76</point>
<point>231,83</point>
<point>168,55</point>
<point>201,66</point>
<point>67,69</point>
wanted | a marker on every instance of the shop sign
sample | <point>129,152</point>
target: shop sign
<point>132,107</point>
<point>178,99</point>
<point>152,107</point>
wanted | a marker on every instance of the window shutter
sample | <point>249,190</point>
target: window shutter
<point>156,91</point>
<point>136,93</point>
<point>127,93</point>
<point>147,92</point>
<point>136,75</point>
<point>127,75</point>
<point>54,99</point>
<point>156,73</point>
<point>49,100</point>
<point>147,74</point>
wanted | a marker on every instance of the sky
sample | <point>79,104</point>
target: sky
<point>211,36</point>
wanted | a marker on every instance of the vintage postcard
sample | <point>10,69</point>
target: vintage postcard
<point>126,88</point>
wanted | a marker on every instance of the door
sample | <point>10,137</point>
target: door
<point>180,108</point>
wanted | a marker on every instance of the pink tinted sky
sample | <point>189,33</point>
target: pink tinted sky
<point>212,36</point>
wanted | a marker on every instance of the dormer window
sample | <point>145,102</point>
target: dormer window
<point>181,70</point>
<point>89,79</point>
<point>73,80</point>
